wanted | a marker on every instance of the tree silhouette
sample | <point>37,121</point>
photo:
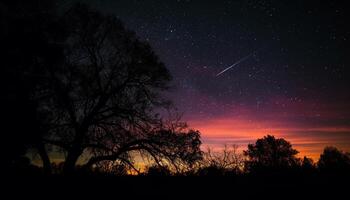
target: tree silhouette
<point>270,153</point>
<point>28,46</point>
<point>225,162</point>
<point>101,100</point>
<point>334,160</point>
<point>80,81</point>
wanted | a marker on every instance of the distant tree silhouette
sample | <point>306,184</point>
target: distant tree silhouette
<point>225,162</point>
<point>269,153</point>
<point>307,166</point>
<point>333,160</point>
<point>307,163</point>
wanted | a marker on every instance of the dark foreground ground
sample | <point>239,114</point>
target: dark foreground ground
<point>239,187</point>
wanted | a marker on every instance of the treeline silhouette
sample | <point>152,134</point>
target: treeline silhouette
<point>268,156</point>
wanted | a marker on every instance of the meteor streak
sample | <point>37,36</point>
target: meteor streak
<point>234,64</point>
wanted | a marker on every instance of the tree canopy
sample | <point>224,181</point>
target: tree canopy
<point>270,153</point>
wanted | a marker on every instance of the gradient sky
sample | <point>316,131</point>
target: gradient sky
<point>295,84</point>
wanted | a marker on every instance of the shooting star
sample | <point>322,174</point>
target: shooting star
<point>234,64</point>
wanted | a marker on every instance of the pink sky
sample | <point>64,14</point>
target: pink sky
<point>309,126</point>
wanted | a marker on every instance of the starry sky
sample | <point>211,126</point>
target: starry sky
<point>294,83</point>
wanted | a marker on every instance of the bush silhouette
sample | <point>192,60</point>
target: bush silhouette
<point>156,170</point>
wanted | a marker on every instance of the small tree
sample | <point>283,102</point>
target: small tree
<point>225,162</point>
<point>307,163</point>
<point>270,153</point>
<point>334,160</point>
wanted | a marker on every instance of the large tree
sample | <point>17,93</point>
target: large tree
<point>102,99</point>
<point>86,84</point>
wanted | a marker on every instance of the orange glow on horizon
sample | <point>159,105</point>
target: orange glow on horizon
<point>308,140</point>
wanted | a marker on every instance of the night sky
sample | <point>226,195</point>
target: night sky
<point>293,84</point>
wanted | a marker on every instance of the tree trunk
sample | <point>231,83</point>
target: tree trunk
<point>45,158</point>
<point>70,162</point>
<point>75,151</point>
